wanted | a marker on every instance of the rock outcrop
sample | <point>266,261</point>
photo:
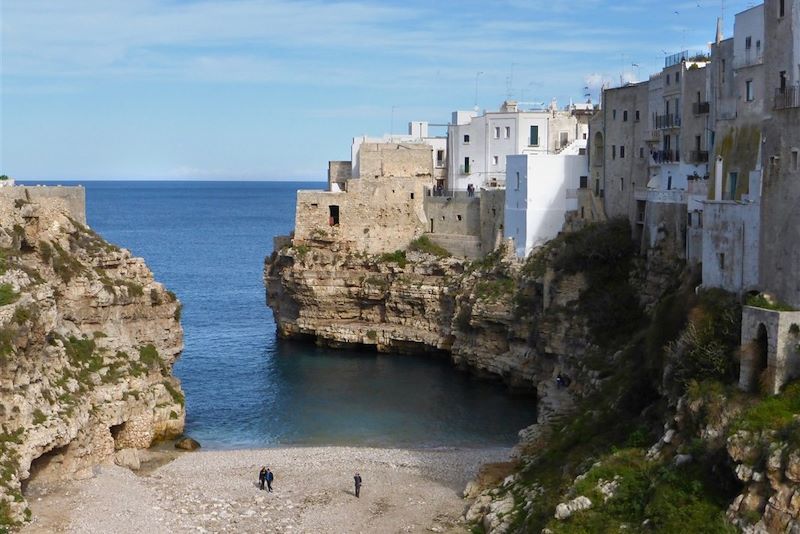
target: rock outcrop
<point>87,343</point>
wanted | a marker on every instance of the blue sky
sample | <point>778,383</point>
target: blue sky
<point>272,89</point>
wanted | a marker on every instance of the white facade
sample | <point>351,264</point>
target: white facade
<point>479,145</point>
<point>748,37</point>
<point>540,190</point>
<point>417,133</point>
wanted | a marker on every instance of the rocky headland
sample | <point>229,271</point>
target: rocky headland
<point>87,343</point>
<point>640,424</point>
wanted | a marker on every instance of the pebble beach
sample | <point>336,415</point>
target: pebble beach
<point>404,490</point>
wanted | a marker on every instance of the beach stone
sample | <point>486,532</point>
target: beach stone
<point>187,444</point>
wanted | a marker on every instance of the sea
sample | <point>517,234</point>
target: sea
<point>245,387</point>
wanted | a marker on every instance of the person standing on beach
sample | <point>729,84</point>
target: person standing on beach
<point>262,476</point>
<point>270,477</point>
<point>357,479</point>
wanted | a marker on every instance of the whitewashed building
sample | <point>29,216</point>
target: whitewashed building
<point>540,190</point>
<point>478,145</point>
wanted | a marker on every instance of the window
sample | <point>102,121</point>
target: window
<point>517,181</point>
<point>584,182</point>
<point>497,132</point>
<point>466,165</point>
<point>795,156</point>
<point>508,132</point>
<point>534,140</point>
<point>622,151</point>
<point>495,160</point>
<point>781,8</point>
<point>333,215</point>
<point>466,139</point>
<point>783,81</point>
<point>677,77</point>
<point>722,69</point>
<point>689,219</point>
<point>748,43</point>
<point>636,116</point>
<point>563,139</point>
<point>733,178</point>
<point>622,184</point>
<point>439,157</point>
<point>641,151</point>
<point>721,257</point>
<point>668,79</point>
<point>748,90</point>
<point>613,151</point>
<point>458,217</point>
<point>625,116</point>
<point>613,114</point>
<point>412,196</point>
<point>758,46</point>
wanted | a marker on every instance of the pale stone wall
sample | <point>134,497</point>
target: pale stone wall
<point>70,198</point>
<point>783,359</point>
<point>491,217</point>
<point>780,219</point>
<point>730,245</point>
<point>338,174</point>
<point>395,159</point>
<point>625,154</point>
<point>453,215</point>
<point>376,215</point>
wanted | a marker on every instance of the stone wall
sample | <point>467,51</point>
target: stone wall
<point>453,215</point>
<point>375,215</point>
<point>395,159</point>
<point>70,198</point>
<point>730,245</point>
<point>492,215</point>
<point>782,337</point>
<point>338,174</point>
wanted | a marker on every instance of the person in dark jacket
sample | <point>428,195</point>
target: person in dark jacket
<point>262,476</point>
<point>357,480</point>
<point>270,477</point>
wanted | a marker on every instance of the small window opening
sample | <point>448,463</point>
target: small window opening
<point>333,219</point>
<point>458,217</point>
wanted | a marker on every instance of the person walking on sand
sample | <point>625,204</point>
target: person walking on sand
<point>269,477</point>
<point>357,480</point>
<point>262,477</point>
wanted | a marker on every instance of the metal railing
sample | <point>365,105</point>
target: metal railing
<point>700,108</point>
<point>698,156</point>
<point>787,97</point>
<point>451,193</point>
<point>665,156</point>
<point>668,120</point>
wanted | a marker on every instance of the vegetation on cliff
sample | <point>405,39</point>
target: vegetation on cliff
<point>83,348</point>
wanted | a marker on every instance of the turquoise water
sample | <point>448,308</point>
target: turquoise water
<point>244,387</point>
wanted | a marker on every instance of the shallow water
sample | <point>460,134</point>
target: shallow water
<point>245,388</point>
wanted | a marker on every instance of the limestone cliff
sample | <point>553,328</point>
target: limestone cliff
<point>87,343</point>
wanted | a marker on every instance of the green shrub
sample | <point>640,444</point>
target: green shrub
<point>372,334</point>
<point>772,413</point>
<point>148,355</point>
<point>7,294</point>
<point>398,257</point>
<point>760,301</point>
<point>493,290</point>
<point>39,417</point>
<point>178,311</point>
<point>176,395</point>
<point>425,245</point>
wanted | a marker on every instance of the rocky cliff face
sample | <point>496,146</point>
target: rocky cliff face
<point>87,343</point>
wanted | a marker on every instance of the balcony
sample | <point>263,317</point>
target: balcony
<point>787,97</point>
<point>665,156</point>
<point>667,121</point>
<point>701,108</point>
<point>698,156</point>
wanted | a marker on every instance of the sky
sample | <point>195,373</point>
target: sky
<point>273,89</point>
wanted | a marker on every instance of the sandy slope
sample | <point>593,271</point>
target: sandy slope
<point>216,491</point>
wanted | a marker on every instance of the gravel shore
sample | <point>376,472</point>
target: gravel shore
<point>216,491</point>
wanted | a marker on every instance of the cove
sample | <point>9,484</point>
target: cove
<point>206,241</point>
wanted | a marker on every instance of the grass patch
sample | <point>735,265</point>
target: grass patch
<point>398,257</point>
<point>148,355</point>
<point>372,334</point>
<point>493,290</point>
<point>39,417</point>
<point>7,294</point>
<point>176,394</point>
<point>777,412</point>
<point>425,245</point>
<point>761,301</point>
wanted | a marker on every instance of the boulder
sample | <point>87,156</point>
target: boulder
<point>187,444</point>
<point>128,458</point>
